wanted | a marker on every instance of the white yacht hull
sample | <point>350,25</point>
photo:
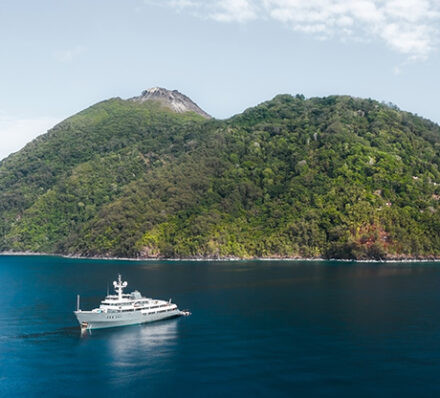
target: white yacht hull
<point>101,320</point>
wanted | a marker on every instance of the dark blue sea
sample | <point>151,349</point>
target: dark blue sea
<point>257,329</point>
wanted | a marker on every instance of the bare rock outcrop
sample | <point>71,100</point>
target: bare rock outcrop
<point>174,100</point>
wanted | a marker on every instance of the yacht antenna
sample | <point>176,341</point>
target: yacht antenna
<point>77,302</point>
<point>107,288</point>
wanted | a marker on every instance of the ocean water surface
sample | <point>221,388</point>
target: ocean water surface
<point>258,328</point>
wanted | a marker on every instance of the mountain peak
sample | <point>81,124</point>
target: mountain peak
<point>174,100</point>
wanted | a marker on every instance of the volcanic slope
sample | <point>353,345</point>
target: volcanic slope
<point>336,177</point>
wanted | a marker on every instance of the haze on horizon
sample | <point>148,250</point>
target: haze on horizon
<point>226,55</point>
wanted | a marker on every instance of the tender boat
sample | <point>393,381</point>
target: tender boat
<point>126,309</point>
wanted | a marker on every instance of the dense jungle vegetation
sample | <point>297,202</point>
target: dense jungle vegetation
<point>335,177</point>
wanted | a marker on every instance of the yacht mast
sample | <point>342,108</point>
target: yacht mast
<point>119,286</point>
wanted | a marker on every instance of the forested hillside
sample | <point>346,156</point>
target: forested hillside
<point>336,177</point>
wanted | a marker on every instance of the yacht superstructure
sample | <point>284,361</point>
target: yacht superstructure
<point>126,309</point>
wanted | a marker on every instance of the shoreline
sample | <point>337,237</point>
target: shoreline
<point>224,259</point>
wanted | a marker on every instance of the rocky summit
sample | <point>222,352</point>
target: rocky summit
<point>174,100</point>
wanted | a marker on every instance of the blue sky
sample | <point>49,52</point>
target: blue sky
<point>61,56</point>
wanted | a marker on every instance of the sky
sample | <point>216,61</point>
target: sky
<point>61,56</point>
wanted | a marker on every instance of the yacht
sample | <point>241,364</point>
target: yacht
<point>126,309</point>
